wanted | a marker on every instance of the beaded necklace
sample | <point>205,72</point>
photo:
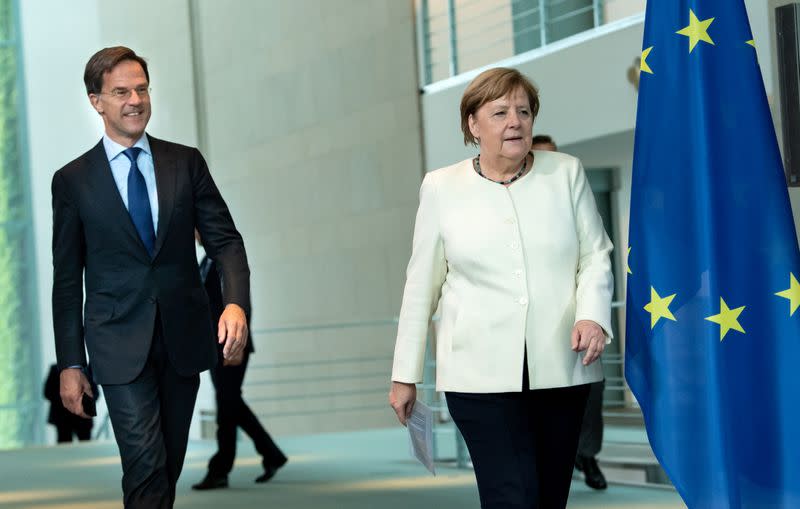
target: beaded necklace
<point>477,165</point>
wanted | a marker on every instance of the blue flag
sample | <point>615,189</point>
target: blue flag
<point>713,327</point>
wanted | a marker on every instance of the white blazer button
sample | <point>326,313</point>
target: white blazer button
<point>514,245</point>
<point>523,301</point>
<point>518,272</point>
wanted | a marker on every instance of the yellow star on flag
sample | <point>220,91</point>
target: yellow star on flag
<point>643,65</point>
<point>751,42</point>
<point>696,31</point>
<point>792,293</point>
<point>627,262</point>
<point>727,319</point>
<point>658,307</point>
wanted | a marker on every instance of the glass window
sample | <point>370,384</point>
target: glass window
<point>460,35</point>
<point>20,384</point>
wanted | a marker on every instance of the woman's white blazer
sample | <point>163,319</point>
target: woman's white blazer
<point>505,269</point>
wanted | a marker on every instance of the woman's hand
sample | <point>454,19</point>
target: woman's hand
<point>402,397</point>
<point>588,336</point>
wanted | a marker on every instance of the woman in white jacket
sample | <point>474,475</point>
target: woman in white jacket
<point>509,250</point>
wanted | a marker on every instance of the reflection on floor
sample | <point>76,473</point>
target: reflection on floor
<point>363,470</point>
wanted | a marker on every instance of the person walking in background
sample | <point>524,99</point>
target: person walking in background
<point>124,215</point>
<point>543,142</point>
<point>510,251</point>
<point>68,425</point>
<point>591,440</point>
<point>232,411</point>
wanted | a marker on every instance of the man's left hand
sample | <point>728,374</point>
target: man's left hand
<point>232,331</point>
<point>588,336</point>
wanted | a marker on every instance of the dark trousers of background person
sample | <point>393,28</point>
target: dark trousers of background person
<point>151,417</point>
<point>232,411</point>
<point>82,428</point>
<point>591,439</point>
<point>522,444</point>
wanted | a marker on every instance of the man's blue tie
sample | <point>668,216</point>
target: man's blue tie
<point>139,201</point>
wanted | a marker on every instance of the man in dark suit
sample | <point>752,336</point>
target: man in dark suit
<point>124,214</point>
<point>232,411</point>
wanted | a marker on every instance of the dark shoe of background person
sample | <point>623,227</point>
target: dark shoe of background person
<point>592,474</point>
<point>269,472</point>
<point>211,482</point>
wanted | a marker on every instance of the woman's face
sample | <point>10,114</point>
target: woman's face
<point>503,127</point>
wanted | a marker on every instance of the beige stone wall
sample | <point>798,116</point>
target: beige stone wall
<point>313,133</point>
<point>614,10</point>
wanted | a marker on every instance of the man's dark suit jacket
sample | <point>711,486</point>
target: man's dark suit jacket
<point>94,236</point>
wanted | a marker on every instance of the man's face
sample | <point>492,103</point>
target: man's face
<point>544,146</point>
<point>124,102</point>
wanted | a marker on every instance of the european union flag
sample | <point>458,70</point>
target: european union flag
<point>713,332</point>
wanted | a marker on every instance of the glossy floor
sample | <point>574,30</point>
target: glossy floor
<point>363,470</point>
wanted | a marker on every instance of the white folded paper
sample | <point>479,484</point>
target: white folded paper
<point>420,433</point>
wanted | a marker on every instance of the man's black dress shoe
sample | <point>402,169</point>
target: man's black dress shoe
<point>211,482</point>
<point>592,474</point>
<point>269,472</point>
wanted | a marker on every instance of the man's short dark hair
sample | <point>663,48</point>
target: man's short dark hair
<point>542,139</point>
<point>104,61</point>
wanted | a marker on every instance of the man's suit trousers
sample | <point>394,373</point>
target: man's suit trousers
<point>151,417</point>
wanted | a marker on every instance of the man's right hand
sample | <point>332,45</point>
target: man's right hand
<point>73,384</point>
